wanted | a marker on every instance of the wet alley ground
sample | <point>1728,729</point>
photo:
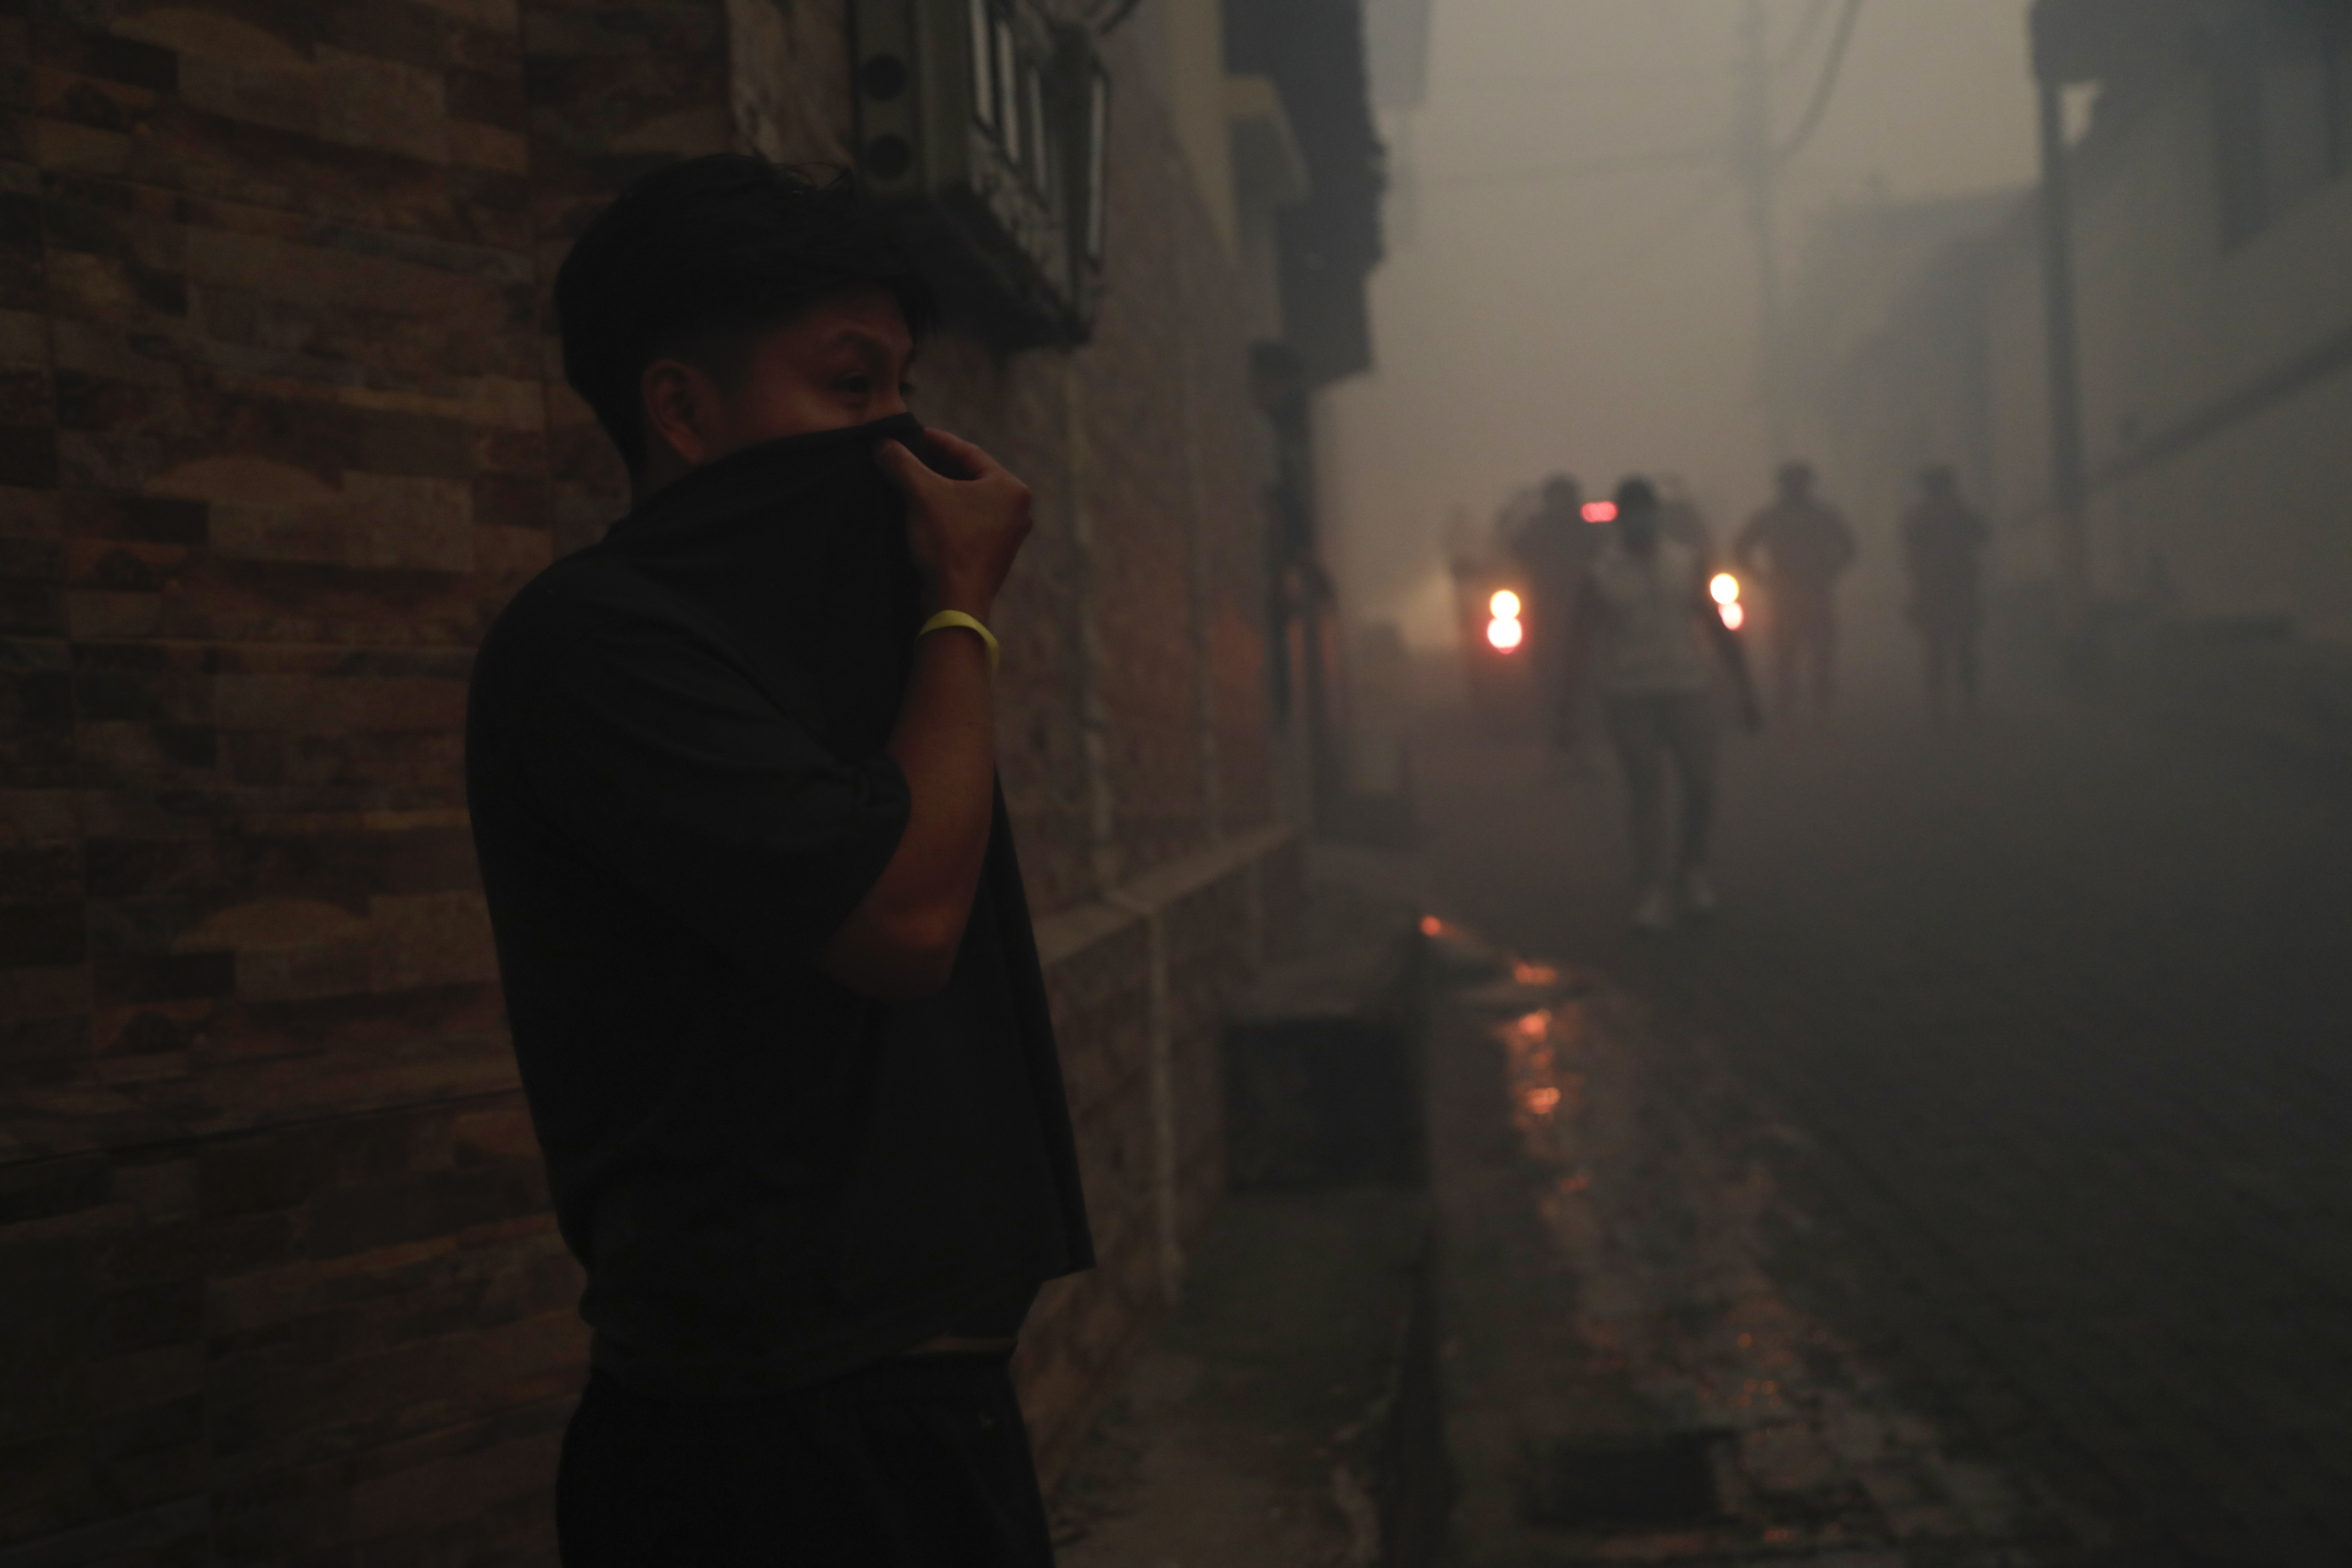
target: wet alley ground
<point>1976,1188</point>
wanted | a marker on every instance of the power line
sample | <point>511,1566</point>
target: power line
<point>1760,164</point>
<point>1827,88</point>
<point>1682,157</point>
<point>1797,45</point>
<point>1586,80</point>
<point>1758,171</point>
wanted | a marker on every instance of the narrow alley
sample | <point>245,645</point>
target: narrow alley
<point>849,725</point>
<point>2038,1033</point>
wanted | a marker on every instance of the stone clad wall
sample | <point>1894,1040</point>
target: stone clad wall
<point>280,1280</point>
<point>279,432</point>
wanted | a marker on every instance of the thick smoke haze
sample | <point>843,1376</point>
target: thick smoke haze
<point>1542,311</point>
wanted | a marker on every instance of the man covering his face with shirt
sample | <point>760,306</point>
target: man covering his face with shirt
<point>766,953</point>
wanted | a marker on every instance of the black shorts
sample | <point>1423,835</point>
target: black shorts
<point>913,1462</point>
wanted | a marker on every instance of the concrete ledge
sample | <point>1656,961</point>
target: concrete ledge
<point>1141,981</point>
<point>1288,1412</point>
<point>1068,933</point>
<point>1323,1075</point>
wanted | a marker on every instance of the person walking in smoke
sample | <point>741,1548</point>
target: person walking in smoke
<point>1553,549</point>
<point>1798,547</point>
<point>1943,542</point>
<point>1642,630</point>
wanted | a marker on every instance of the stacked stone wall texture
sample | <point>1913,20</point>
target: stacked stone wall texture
<point>280,431</point>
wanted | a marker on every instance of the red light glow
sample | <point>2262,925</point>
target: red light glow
<point>1504,635</point>
<point>1733,615</point>
<point>1601,512</point>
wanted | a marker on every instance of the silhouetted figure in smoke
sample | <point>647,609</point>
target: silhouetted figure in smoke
<point>1643,627</point>
<point>1554,549</point>
<point>1943,546</point>
<point>1798,548</point>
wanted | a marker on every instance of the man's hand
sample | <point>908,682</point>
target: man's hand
<point>963,533</point>
<point>902,938</point>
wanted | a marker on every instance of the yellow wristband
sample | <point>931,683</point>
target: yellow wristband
<point>946,619</point>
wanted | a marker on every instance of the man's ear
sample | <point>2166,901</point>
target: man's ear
<point>681,403</point>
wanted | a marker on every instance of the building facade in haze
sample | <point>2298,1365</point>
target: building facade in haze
<point>1887,364</point>
<point>1310,257</point>
<point>2210,217</point>
<point>280,431</point>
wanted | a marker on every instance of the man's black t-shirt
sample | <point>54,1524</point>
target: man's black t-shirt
<point>675,761</point>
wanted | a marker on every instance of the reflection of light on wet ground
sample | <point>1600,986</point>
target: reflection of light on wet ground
<point>1544,1093</point>
<point>1678,1305</point>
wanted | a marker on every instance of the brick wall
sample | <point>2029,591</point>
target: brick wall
<point>279,432</point>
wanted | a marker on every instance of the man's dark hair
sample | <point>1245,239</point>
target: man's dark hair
<point>1637,494</point>
<point>694,260</point>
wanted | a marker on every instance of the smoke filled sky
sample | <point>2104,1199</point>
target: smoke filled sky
<point>1535,317</point>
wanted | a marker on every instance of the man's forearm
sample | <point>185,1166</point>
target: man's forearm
<point>962,534</point>
<point>901,941</point>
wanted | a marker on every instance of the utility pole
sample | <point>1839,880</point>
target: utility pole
<point>1757,166</point>
<point>2060,55</point>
